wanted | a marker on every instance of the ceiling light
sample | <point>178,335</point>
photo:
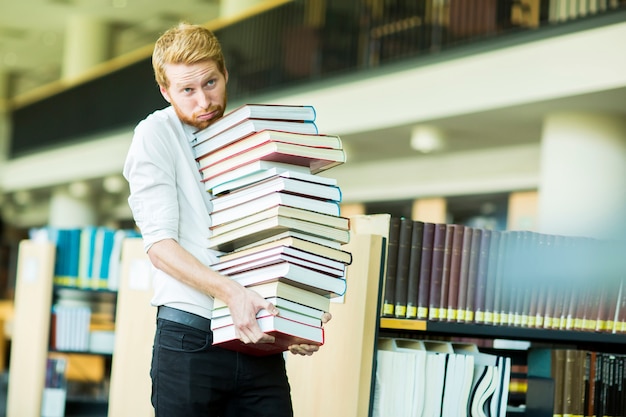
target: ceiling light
<point>113,184</point>
<point>427,138</point>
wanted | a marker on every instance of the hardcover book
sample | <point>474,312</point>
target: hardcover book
<point>287,332</point>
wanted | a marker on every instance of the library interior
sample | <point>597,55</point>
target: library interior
<point>458,205</point>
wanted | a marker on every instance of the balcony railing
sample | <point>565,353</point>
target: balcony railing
<point>303,42</point>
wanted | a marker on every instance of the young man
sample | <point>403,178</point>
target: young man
<point>190,377</point>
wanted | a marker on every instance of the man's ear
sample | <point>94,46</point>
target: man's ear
<point>164,93</point>
<point>226,74</point>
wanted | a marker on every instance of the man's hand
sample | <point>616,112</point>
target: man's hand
<point>308,350</point>
<point>243,308</point>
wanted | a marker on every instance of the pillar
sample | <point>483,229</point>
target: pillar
<point>71,209</point>
<point>583,175</point>
<point>86,44</point>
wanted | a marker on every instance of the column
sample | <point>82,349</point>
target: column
<point>583,175</point>
<point>86,44</point>
<point>71,208</point>
<point>4,117</point>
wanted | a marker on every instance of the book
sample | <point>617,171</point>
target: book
<point>309,279</point>
<point>452,301</point>
<point>423,294</point>
<point>279,254</point>
<point>466,251</point>
<point>280,234</point>
<point>295,242</point>
<point>402,268</point>
<point>249,174</point>
<point>284,306</point>
<point>265,136</point>
<point>222,320</point>
<point>276,198</point>
<point>286,291</point>
<point>414,269</point>
<point>249,233</point>
<point>287,332</point>
<point>392,267</point>
<point>316,159</point>
<point>275,184</point>
<point>472,275</point>
<point>491,277</point>
<point>481,276</point>
<point>208,141</point>
<point>436,271</point>
<point>442,303</point>
<point>337,222</point>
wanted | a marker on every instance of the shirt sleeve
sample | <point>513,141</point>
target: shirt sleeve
<point>150,169</point>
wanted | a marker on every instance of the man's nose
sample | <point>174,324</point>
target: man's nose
<point>204,100</point>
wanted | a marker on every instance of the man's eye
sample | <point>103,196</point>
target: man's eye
<point>187,90</point>
<point>210,83</point>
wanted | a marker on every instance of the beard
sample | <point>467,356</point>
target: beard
<point>201,124</point>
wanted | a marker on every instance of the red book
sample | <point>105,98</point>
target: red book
<point>423,295</point>
<point>392,267</point>
<point>436,271</point>
<point>402,269</point>
<point>287,332</point>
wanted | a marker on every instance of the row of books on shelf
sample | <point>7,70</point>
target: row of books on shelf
<point>582,382</point>
<point>457,273</point>
<point>434,378</point>
<point>275,219</point>
<point>86,257</point>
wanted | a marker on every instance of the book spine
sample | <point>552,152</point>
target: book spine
<point>414,269</point>
<point>455,273</point>
<point>436,271</point>
<point>464,272</point>
<point>402,268</point>
<point>423,295</point>
<point>481,277</point>
<point>472,275</point>
<point>490,284</point>
<point>445,272</point>
<point>392,267</point>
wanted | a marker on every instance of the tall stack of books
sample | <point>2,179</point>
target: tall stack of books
<point>275,220</point>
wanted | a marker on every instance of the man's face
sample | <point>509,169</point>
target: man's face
<point>197,92</point>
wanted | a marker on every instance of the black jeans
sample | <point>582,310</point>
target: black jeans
<point>191,378</point>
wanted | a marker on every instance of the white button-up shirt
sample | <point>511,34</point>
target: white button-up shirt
<point>169,201</point>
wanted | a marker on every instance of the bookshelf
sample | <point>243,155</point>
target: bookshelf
<point>30,348</point>
<point>347,362</point>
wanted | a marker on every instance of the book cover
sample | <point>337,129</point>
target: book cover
<point>268,169</point>
<point>436,271</point>
<point>423,294</point>
<point>472,275</point>
<point>402,268</point>
<point>481,276</point>
<point>316,159</point>
<point>464,265</point>
<point>265,136</point>
<point>275,112</point>
<point>452,302</point>
<point>287,332</point>
<point>337,222</point>
<point>221,318</point>
<point>285,291</point>
<point>392,267</point>
<point>275,184</point>
<point>445,272</point>
<point>295,242</point>
<point>414,269</point>
<point>280,254</point>
<point>264,228</point>
<point>299,276</point>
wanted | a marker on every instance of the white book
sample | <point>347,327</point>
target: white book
<point>273,199</point>
<point>275,184</point>
<point>227,320</point>
<point>337,222</point>
<point>256,167</point>
<point>207,142</point>
<point>244,179</point>
<point>309,279</point>
<point>258,231</point>
<point>282,234</point>
<point>279,112</point>
<point>283,305</point>
<point>339,271</point>
<point>264,136</point>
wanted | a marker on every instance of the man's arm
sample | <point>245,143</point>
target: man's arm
<point>171,258</point>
